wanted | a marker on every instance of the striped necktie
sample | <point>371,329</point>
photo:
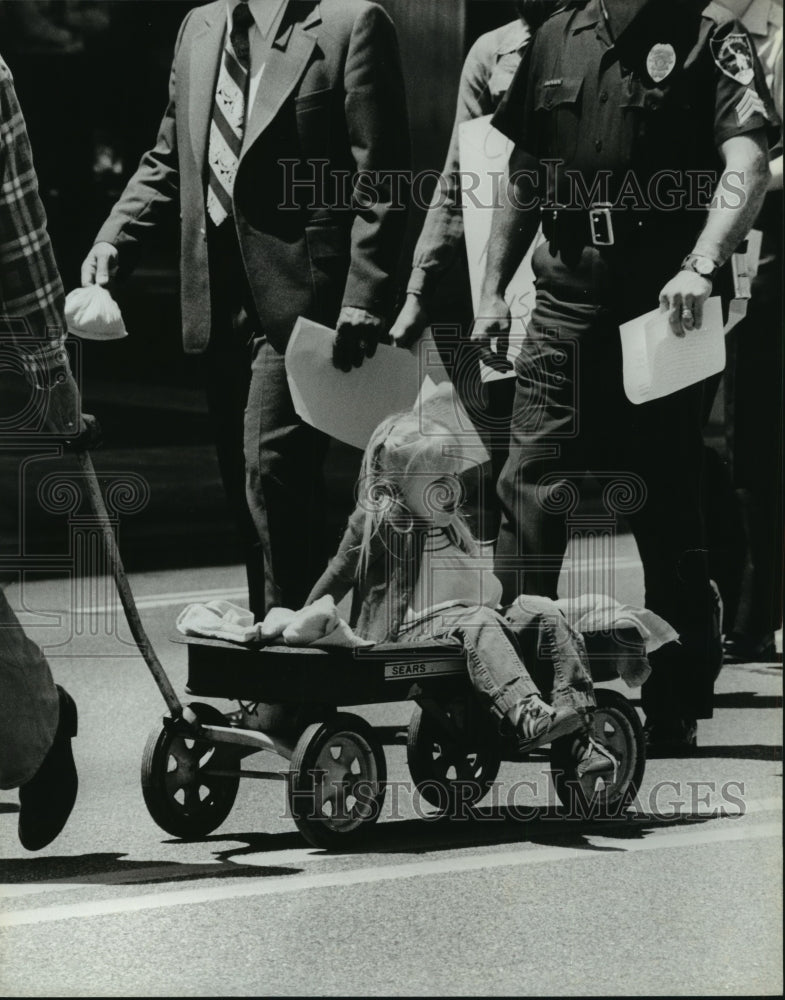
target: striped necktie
<point>228,121</point>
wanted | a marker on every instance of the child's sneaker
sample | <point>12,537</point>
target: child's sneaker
<point>593,759</point>
<point>539,723</point>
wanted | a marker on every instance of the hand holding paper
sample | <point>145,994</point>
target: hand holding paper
<point>657,362</point>
<point>349,406</point>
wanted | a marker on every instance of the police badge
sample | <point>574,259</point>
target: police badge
<point>734,57</point>
<point>660,61</point>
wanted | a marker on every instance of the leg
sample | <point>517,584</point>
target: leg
<point>560,397</point>
<point>285,488</point>
<point>499,676</point>
<point>37,721</point>
<point>228,377</point>
<point>725,533</point>
<point>29,704</point>
<point>665,447</point>
<point>489,406</point>
<point>554,653</point>
<point>756,447</point>
<point>532,535</point>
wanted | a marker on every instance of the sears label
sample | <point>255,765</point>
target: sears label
<point>399,671</point>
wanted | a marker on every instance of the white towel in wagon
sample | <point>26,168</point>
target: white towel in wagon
<point>317,625</point>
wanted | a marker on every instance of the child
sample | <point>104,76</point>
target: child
<point>411,558</point>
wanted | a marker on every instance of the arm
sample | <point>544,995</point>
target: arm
<point>733,211</point>
<point>339,577</point>
<point>30,286</point>
<point>31,293</point>
<point>150,195</point>
<point>442,232</point>
<point>378,129</point>
<point>514,226</point>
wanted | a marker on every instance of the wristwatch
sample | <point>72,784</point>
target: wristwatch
<point>704,266</point>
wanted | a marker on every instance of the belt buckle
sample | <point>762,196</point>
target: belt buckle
<point>601,224</point>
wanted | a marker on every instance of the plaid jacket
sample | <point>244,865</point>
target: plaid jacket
<point>31,293</point>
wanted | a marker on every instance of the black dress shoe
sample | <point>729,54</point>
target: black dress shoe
<point>747,649</point>
<point>670,738</point>
<point>46,800</point>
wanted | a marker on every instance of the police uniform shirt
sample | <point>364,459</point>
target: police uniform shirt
<point>763,20</point>
<point>677,83</point>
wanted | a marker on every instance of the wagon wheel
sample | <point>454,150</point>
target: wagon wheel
<point>337,781</point>
<point>616,726</point>
<point>180,791</point>
<point>450,770</point>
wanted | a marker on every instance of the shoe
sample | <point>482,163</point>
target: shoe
<point>539,723</point>
<point>746,649</point>
<point>594,759</point>
<point>671,738</point>
<point>46,800</point>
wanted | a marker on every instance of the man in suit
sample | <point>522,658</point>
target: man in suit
<point>276,108</point>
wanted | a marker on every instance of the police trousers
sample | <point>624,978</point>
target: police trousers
<point>753,394</point>
<point>570,419</point>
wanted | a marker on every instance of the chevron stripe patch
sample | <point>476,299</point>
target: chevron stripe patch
<point>749,105</point>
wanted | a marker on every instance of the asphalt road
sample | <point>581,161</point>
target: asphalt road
<point>682,897</point>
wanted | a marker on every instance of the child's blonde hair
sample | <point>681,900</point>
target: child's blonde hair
<point>405,444</point>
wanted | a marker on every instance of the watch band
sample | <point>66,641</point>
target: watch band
<point>700,264</point>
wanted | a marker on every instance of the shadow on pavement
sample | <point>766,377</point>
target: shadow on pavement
<point>110,869</point>
<point>477,827</point>
<point>746,699</point>
<point>754,751</point>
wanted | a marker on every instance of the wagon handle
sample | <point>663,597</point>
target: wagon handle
<point>141,638</point>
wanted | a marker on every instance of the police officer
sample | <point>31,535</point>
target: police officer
<point>487,73</point>
<point>628,115</point>
<point>753,388</point>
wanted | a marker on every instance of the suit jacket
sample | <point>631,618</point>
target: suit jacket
<point>330,105</point>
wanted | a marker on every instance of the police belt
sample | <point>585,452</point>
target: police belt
<point>606,228</point>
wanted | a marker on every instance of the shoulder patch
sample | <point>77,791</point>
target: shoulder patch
<point>733,55</point>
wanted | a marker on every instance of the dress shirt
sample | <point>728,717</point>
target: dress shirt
<point>267,15</point>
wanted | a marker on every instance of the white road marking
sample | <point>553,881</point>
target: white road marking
<point>279,885</point>
<point>294,857</point>
<point>149,603</point>
<point>174,598</point>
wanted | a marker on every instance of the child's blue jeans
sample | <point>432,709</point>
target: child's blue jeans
<point>528,649</point>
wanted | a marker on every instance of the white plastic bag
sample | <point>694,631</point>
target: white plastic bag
<point>92,313</point>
